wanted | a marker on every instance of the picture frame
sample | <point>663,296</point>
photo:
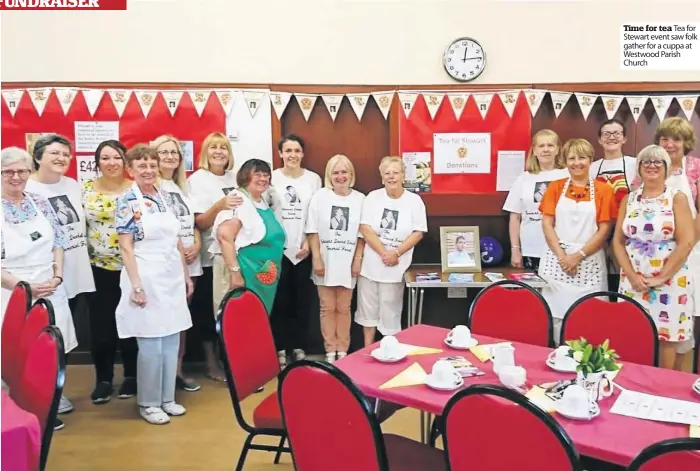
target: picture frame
<point>460,251</point>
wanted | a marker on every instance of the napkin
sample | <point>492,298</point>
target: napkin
<point>483,352</point>
<point>417,350</point>
<point>537,396</point>
<point>694,431</point>
<point>411,376</point>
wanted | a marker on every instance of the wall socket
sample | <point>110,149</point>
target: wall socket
<point>456,293</point>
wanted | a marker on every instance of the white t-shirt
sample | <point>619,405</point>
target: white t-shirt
<point>182,204</point>
<point>295,196</point>
<point>336,220</point>
<point>393,220</point>
<point>612,171</point>
<point>524,198</point>
<point>66,201</point>
<point>205,189</point>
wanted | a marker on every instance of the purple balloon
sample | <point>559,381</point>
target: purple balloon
<point>491,252</point>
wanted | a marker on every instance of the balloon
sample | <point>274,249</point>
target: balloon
<point>491,252</point>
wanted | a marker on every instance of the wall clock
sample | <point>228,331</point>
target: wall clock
<point>464,59</point>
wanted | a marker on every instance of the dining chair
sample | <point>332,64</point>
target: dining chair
<point>250,361</point>
<point>39,317</point>
<point>626,324</point>
<point>331,425</point>
<point>512,310</point>
<point>696,358</point>
<point>41,385</point>
<point>12,324</point>
<point>493,428</point>
<point>675,454</point>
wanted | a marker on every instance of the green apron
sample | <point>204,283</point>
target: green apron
<point>261,262</point>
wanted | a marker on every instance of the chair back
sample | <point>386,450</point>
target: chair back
<point>630,329</point>
<point>512,310</point>
<point>40,388</point>
<point>330,424</point>
<point>12,324</point>
<point>474,433</point>
<point>696,357</point>
<point>39,317</point>
<point>676,454</point>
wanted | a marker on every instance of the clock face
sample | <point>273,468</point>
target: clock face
<point>464,59</point>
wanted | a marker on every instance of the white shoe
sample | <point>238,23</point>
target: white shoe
<point>330,357</point>
<point>282,358</point>
<point>173,408</point>
<point>299,354</point>
<point>65,405</point>
<point>342,355</point>
<point>154,415</point>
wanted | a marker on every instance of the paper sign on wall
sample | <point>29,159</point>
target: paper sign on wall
<point>90,134</point>
<point>462,153</point>
<point>86,168</point>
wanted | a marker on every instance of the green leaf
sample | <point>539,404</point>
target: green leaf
<point>587,353</point>
<point>606,345</point>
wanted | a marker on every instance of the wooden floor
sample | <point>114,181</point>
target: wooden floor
<point>114,437</point>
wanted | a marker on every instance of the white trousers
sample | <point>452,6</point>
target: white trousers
<point>156,370</point>
<point>379,305</point>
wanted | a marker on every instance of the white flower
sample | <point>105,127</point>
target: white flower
<point>578,356</point>
<point>606,356</point>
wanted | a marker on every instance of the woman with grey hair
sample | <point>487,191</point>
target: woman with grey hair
<point>32,245</point>
<point>653,238</point>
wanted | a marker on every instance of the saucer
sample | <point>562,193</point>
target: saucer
<point>473,343</point>
<point>377,355</point>
<point>594,411</point>
<point>549,362</point>
<point>431,383</point>
<point>696,386</point>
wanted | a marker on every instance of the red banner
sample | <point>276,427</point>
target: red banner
<point>507,134</point>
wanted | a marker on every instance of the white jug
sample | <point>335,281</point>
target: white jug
<point>502,355</point>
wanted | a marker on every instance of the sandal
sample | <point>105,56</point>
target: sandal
<point>154,415</point>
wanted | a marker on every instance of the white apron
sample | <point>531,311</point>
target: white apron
<point>29,257</point>
<point>186,217</point>
<point>575,223</point>
<point>159,264</point>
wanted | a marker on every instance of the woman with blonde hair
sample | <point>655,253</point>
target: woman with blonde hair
<point>653,238</point>
<point>543,165</point>
<point>577,213</point>
<point>333,229</point>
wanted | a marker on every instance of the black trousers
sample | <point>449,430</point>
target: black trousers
<point>103,328</point>
<point>202,307</point>
<point>290,310</point>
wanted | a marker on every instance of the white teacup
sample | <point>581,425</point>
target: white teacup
<point>575,400</point>
<point>444,373</point>
<point>561,359</point>
<point>512,376</point>
<point>460,336</point>
<point>390,347</point>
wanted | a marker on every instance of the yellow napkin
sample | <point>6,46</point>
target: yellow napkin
<point>694,431</point>
<point>483,352</point>
<point>539,398</point>
<point>414,374</point>
<point>417,350</point>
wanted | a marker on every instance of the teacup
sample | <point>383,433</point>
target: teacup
<point>512,376</point>
<point>576,401</point>
<point>460,336</point>
<point>444,373</point>
<point>389,347</point>
<point>560,358</point>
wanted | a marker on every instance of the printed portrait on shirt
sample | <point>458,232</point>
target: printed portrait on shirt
<point>290,193</point>
<point>340,215</point>
<point>179,205</point>
<point>540,189</point>
<point>390,218</point>
<point>65,211</point>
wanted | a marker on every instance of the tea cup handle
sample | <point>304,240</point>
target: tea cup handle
<point>450,334</point>
<point>550,357</point>
<point>606,387</point>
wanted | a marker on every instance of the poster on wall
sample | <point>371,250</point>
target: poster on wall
<point>89,134</point>
<point>30,139</point>
<point>249,127</point>
<point>462,153</point>
<point>418,175</point>
<point>86,168</point>
<point>187,149</point>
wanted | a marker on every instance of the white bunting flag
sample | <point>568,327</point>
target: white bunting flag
<point>358,101</point>
<point>483,102</point>
<point>687,103</point>
<point>559,101</point>
<point>253,99</point>
<point>146,98</point>
<point>279,101</point>
<point>226,98</point>
<point>120,98</point>
<point>384,100</point>
<point>306,103</point>
<point>458,102</point>
<point>586,101</point>
<point>332,104</point>
<point>39,98</point>
<point>611,103</point>
<point>509,99</point>
<point>661,105</point>
<point>534,100</point>
<point>66,96</point>
<point>12,99</point>
<point>93,98</point>
<point>172,100</point>
<point>636,104</point>
<point>433,102</point>
<point>408,100</point>
<point>199,100</point>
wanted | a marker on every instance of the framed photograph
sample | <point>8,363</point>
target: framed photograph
<point>459,249</point>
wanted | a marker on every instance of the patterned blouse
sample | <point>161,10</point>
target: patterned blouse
<point>26,212</point>
<point>102,237</point>
<point>692,173</point>
<point>126,220</point>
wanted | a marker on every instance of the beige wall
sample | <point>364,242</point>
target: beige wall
<point>330,41</point>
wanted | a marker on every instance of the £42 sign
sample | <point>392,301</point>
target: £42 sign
<point>87,168</point>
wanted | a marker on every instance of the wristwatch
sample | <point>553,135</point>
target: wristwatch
<point>235,269</point>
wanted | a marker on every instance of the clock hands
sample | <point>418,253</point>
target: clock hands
<point>465,59</point>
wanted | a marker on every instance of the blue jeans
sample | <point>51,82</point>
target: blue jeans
<point>156,370</point>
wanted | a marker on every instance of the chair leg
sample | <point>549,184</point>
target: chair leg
<point>278,455</point>
<point>244,452</point>
<point>435,431</point>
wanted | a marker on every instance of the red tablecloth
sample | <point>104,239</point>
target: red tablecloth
<point>21,437</point>
<point>610,437</point>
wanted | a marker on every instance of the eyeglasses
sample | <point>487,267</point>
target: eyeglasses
<point>649,163</point>
<point>607,134</point>
<point>169,152</point>
<point>11,173</point>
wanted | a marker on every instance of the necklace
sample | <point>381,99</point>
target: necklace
<point>579,195</point>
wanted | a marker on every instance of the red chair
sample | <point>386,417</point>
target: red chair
<point>512,310</point>
<point>676,454</point>
<point>12,324</point>
<point>474,438</point>
<point>39,317</point>
<point>630,329</point>
<point>696,358</point>
<point>250,361</point>
<point>331,426</point>
<point>40,388</point>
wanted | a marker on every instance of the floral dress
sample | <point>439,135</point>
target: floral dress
<point>102,237</point>
<point>649,226</point>
<point>26,212</point>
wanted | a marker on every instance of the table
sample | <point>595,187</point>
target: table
<point>21,437</point>
<point>416,289</point>
<point>610,437</point>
